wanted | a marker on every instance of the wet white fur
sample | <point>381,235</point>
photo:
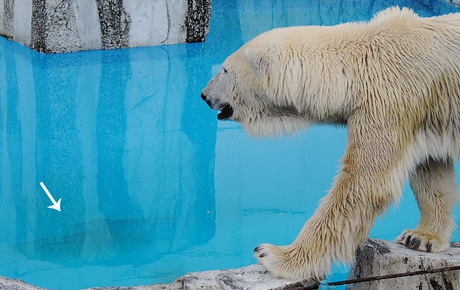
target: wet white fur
<point>395,82</point>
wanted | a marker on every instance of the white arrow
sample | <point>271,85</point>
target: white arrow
<point>56,205</point>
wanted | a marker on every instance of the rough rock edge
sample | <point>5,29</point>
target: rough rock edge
<point>378,257</point>
<point>253,277</point>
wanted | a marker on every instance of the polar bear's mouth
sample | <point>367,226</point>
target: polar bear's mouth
<point>225,113</point>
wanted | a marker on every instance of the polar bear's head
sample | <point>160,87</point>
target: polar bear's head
<point>271,87</point>
<point>242,91</point>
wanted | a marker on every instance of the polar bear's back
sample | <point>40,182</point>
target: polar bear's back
<point>391,23</point>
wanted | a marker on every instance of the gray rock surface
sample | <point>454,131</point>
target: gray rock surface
<point>14,284</point>
<point>53,26</point>
<point>378,257</point>
<point>253,277</point>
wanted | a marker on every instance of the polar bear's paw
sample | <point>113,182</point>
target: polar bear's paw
<point>275,259</point>
<point>283,262</point>
<point>421,241</point>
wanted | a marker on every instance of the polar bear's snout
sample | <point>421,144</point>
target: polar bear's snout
<point>226,110</point>
<point>208,101</point>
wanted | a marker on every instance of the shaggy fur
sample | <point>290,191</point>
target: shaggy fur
<point>395,82</point>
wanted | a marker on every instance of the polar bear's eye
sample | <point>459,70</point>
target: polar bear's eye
<point>225,71</point>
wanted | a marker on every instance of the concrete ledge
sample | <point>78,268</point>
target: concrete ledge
<point>253,277</point>
<point>378,257</point>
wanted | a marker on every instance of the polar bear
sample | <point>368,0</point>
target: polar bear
<point>395,83</point>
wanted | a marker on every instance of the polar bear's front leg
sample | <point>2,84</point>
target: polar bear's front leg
<point>436,192</point>
<point>339,225</point>
<point>371,179</point>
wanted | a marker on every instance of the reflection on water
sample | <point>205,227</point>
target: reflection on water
<point>152,186</point>
<point>119,137</point>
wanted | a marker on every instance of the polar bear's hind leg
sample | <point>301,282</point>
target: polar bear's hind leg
<point>436,192</point>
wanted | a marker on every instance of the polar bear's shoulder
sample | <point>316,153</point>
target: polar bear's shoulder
<point>393,13</point>
<point>395,16</point>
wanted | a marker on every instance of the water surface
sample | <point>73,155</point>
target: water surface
<point>152,185</point>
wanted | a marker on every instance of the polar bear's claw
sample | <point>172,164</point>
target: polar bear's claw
<point>260,252</point>
<point>272,258</point>
<point>420,241</point>
<point>415,243</point>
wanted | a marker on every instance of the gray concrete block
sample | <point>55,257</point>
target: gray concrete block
<point>378,257</point>
<point>253,277</point>
<point>15,284</point>
<point>54,26</point>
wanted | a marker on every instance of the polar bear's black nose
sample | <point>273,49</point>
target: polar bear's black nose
<point>207,101</point>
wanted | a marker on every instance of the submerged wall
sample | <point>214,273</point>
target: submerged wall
<point>455,3</point>
<point>53,26</point>
<point>125,139</point>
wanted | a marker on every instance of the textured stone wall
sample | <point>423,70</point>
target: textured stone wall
<point>455,3</point>
<point>53,26</point>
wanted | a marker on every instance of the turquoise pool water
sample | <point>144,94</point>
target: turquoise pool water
<point>152,185</point>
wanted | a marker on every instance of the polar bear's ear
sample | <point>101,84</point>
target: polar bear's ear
<point>257,57</point>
